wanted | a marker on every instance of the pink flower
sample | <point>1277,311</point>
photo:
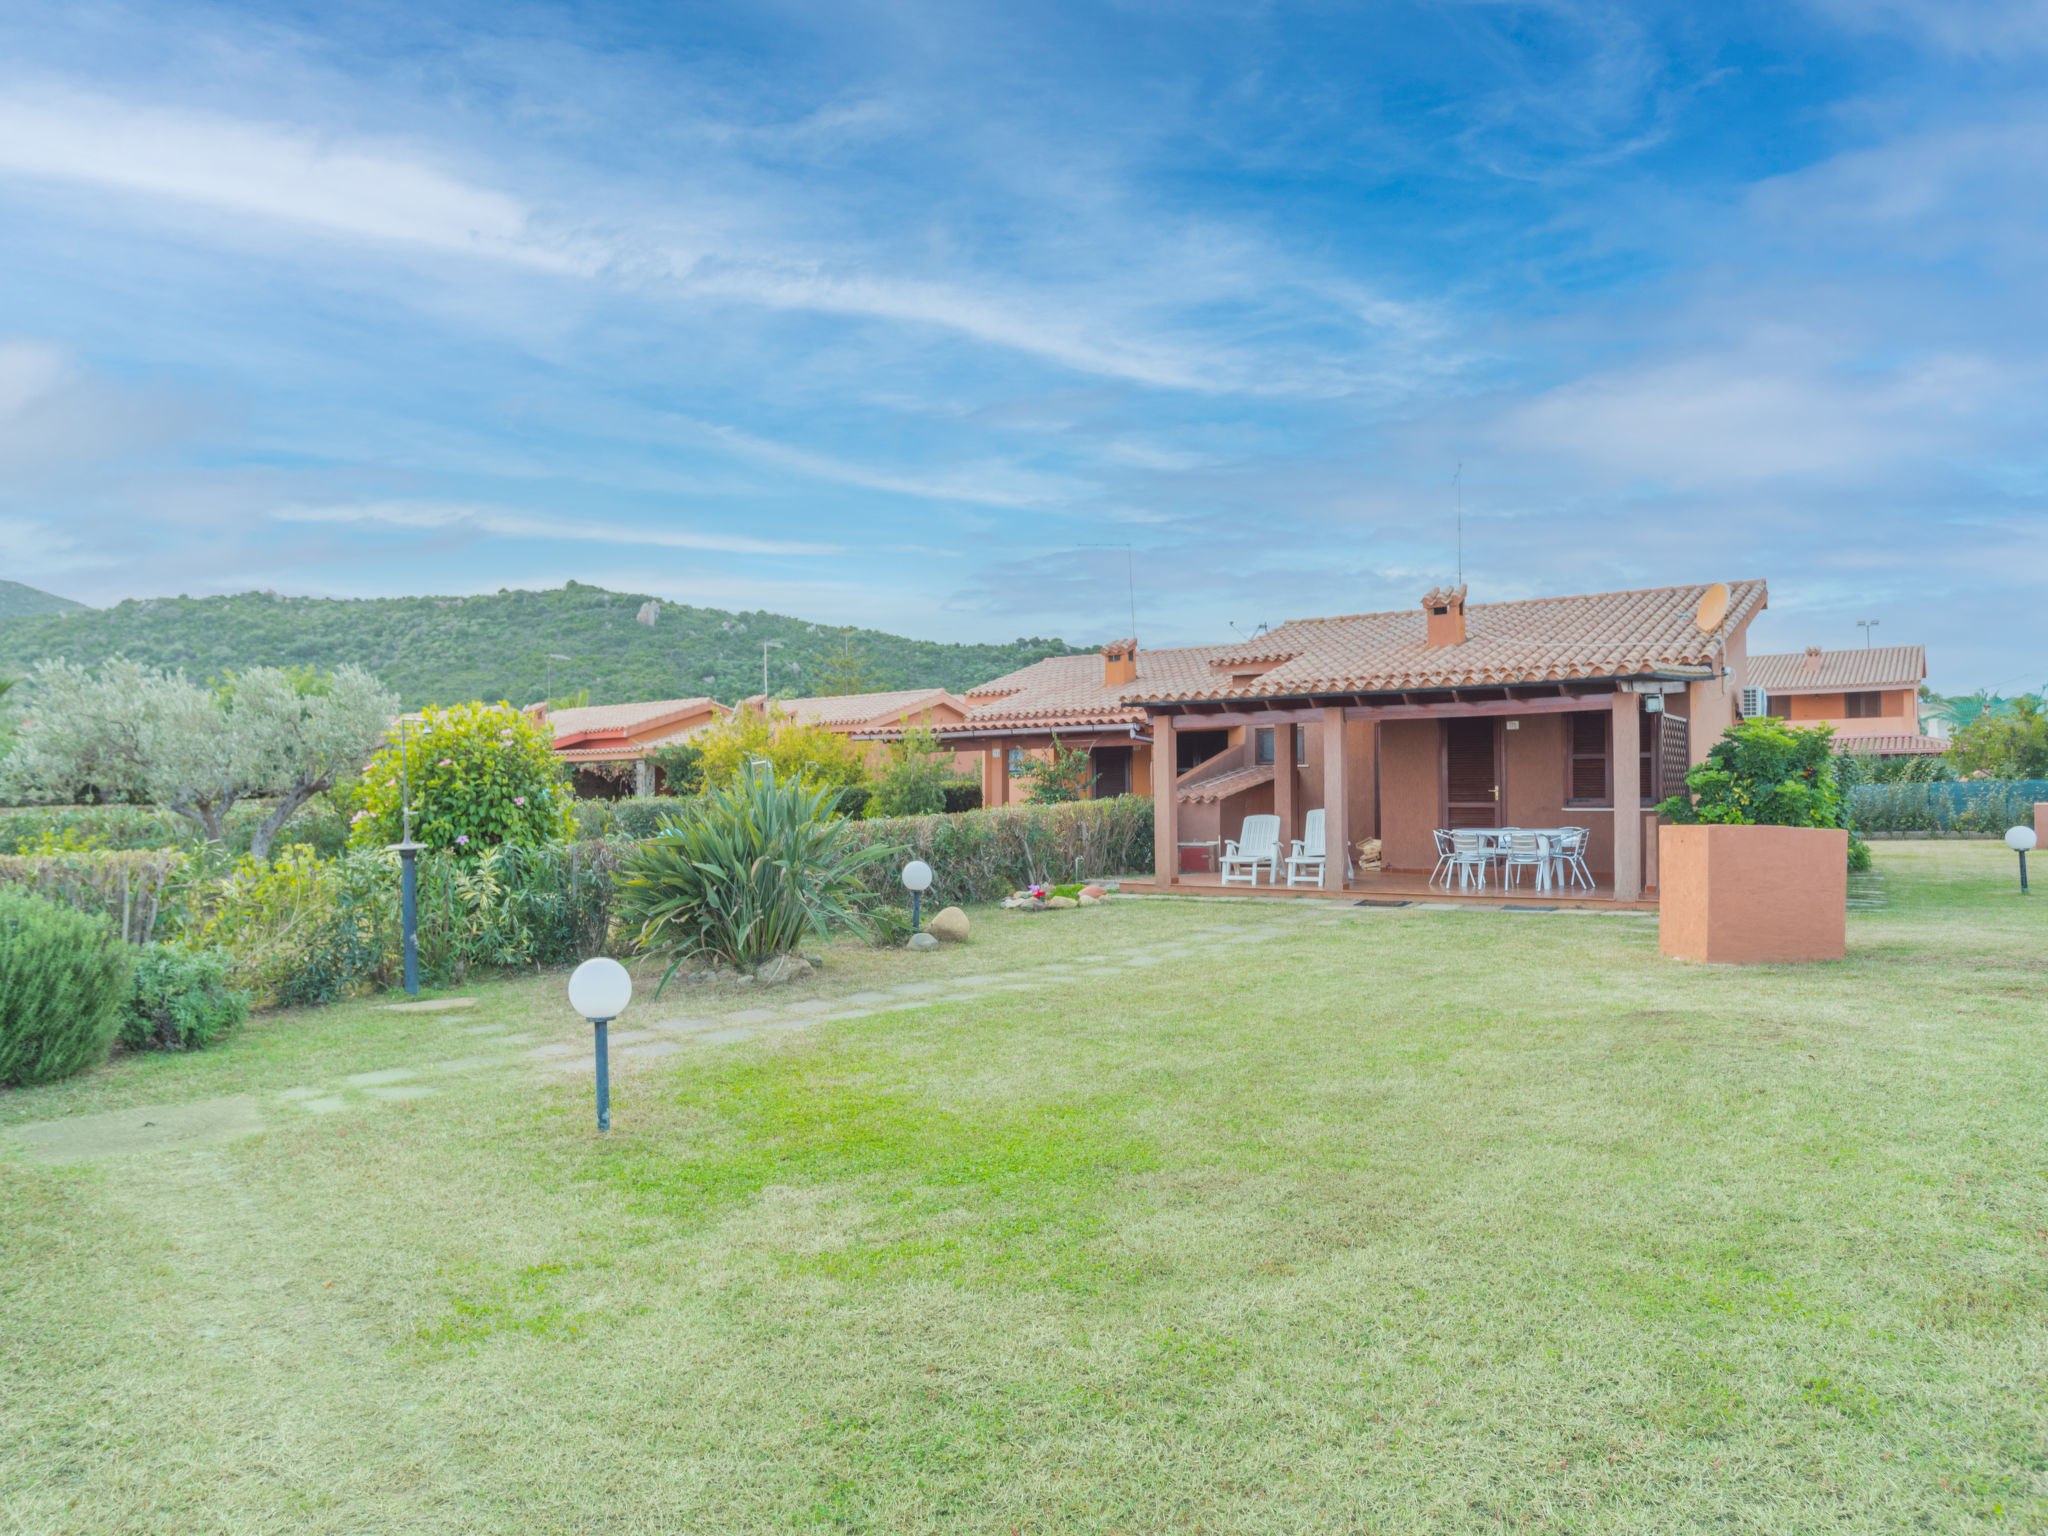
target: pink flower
<point>447,762</point>
<point>359,816</point>
<point>519,799</point>
<point>461,839</point>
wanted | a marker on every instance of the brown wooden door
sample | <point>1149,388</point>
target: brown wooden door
<point>1472,772</point>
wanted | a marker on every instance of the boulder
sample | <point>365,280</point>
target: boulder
<point>782,970</point>
<point>922,941</point>
<point>949,925</point>
<point>1090,901</point>
<point>1063,902</point>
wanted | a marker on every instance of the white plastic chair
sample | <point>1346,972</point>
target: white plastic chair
<point>1525,851</point>
<point>1572,854</point>
<point>1470,854</point>
<point>1256,845</point>
<point>1309,854</point>
<point>1443,858</point>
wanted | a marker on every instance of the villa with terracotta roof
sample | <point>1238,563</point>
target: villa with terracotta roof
<point>1561,711</point>
<point>1870,696</point>
<point>879,717</point>
<point>605,745</point>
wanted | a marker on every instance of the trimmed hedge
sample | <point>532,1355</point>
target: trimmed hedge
<point>980,856</point>
<point>1971,805</point>
<point>132,888</point>
<point>104,827</point>
<point>63,978</point>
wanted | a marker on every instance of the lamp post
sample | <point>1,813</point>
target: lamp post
<point>599,990</point>
<point>2020,840</point>
<point>917,879</point>
<point>548,695</point>
<point>408,853</point>
<point>766,647</point>
<point>1867,625</point>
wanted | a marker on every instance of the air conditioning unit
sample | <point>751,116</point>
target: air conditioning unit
<point>1756,703</point>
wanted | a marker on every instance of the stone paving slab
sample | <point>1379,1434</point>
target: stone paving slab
<point>753,1016</point>
<point>727,1036</point>
<point>917,989</point>
<point>374,1079</point>
<point>152,1128</point>
<point>683,1026</point>
<point>630,1036</point>
<point>324,1106</point>
<point>483,1029</point>
<point>402,1091</point>
<point>435,1005</point>
<point>542,1052</point>
<point>814,1005</point>
<point>653,1048</point>
<point>870,998</point>
<point>468,1063</point>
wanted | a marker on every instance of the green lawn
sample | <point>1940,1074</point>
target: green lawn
<point>1257,1217</point>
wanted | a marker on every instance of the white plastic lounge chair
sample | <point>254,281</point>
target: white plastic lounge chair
<point>1306,863</point>
<point>1256,845</point>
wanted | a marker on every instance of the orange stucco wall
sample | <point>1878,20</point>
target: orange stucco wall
<point>1753,895</point>
<point>1408,793</point>
<point>1900,705</point>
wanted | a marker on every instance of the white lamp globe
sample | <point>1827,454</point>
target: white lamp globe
<point>600,989</point>
<point>917,876</point>
<point>2020,839</point>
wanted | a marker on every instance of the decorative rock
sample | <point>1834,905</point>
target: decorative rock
<point>922,941</point>
<point>782,970</point>
<point>1089,900</point>
<point>1063,902</point>
<point>950,925</point>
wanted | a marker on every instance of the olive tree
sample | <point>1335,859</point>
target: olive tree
<point>131,732</point>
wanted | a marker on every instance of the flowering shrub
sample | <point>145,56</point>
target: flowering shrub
<point>481,775</point>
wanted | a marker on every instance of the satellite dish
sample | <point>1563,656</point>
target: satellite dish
<point>1713,607</point>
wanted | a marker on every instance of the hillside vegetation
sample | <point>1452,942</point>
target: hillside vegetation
<point>16,600</point>
<point>438,650</point>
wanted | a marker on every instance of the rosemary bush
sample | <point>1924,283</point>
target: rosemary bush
<point>63,976</point>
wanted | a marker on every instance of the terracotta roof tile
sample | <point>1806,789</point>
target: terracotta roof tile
<point>1550,639</point>
<point>1062,692</point>
<point>1897,745</point>
<point>1224,785</point>
<point>867,708</point>
<point>1818,671</point>
<point>628,717</point>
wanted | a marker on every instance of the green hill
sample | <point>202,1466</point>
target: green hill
<point>441,650</point>
<point>17,601</point>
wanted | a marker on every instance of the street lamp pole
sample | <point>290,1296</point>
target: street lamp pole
<point>548,695</point>
<point>408,853</point>
<point>1867,625</point>
<point>766,647</point>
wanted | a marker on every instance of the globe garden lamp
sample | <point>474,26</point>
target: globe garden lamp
<point>917,879</point>
<point>599,990</point>
<point>2021,840</point>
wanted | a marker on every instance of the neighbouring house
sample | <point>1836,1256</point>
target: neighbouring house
<point>1560,711</point>
<point>877,718</point>
<point>1870,696</point>
<point>1080,701</point>
<point>605,746</point>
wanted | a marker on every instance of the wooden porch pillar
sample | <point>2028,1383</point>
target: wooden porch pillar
<point>1336,799</point>
<point>1627,739</point>
<point>1284,782</point>
<point>1165,802</point>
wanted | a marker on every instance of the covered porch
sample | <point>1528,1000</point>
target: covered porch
<point>1397,768</point>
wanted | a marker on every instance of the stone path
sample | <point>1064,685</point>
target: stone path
<point>490,1050</point>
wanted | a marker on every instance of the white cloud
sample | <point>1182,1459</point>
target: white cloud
<point>271,172</point>
<point>992,483</point>
<point>508,523</point>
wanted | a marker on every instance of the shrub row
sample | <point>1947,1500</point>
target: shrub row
<point>63,978</point>
<point>136,889</point>
<point>985,855</point>
<point>27,828</point>
<point>1979,805</point>
<point>638,819</point>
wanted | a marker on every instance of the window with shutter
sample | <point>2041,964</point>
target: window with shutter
<point>1586,740</point>
<point>1863,706</point>
<point>1780,706</point>
<point>1262,745</point>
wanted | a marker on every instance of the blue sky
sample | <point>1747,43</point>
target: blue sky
<point>917,315</point>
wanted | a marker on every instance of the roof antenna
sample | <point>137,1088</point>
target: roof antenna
<point>1130,580</point>
<point>1458,481</point>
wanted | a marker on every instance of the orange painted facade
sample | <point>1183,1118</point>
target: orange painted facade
<point>1753,895</point>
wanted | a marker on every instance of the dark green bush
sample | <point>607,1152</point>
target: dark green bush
<point>985,855</point>
<point>962,795</point>
<point>1763,772</point>
<point>63,978</point>
<point>1980,805</point>
<point>183,999</point>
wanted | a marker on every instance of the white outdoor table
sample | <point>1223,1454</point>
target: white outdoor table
<point>1549,839</point>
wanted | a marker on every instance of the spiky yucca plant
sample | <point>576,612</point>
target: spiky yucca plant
<point>742,874</point>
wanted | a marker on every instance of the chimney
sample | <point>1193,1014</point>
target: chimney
<point>1443,611</point>
<point>1119,663</point>
<point>1813,658</point>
